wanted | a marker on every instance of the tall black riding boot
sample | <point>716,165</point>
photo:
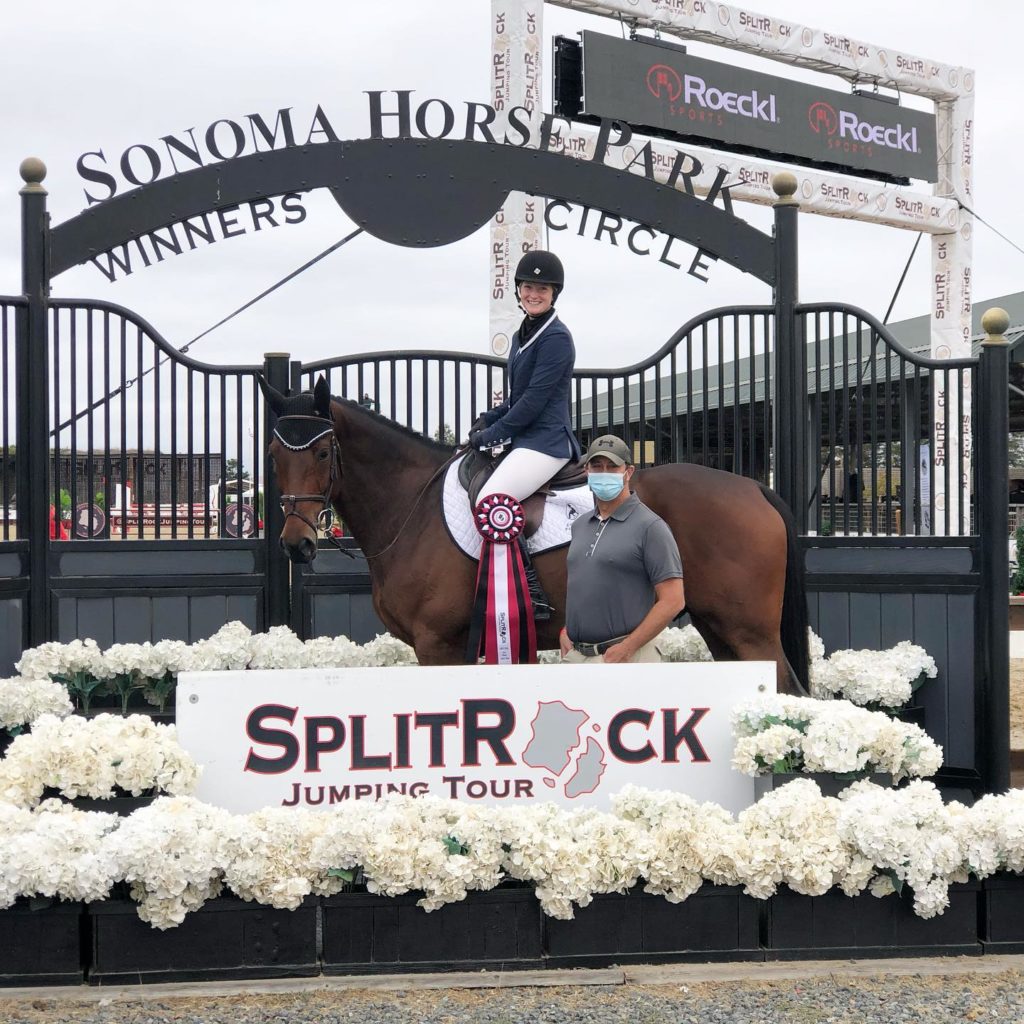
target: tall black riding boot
<point>541,605</point>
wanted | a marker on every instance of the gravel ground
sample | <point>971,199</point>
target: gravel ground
<point>828,1000</point>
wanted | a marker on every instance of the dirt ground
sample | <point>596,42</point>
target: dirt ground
<point>1017,703</point>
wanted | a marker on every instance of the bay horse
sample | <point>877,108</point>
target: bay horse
<point>743,569</point>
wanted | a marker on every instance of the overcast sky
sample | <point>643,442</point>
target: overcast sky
<point>78,77</point>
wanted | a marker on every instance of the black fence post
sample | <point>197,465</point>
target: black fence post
<point>790,376</point>
<point>32,374</point>
<point>275,370</point>
<point>993,442</point>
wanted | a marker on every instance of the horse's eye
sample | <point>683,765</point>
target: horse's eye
<point>322,454</point>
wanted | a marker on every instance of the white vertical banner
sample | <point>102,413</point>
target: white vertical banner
<point>951,320</point>
<point>924,460</point>
<point>516,65</point>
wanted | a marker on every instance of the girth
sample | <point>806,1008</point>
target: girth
<point>476,468</point>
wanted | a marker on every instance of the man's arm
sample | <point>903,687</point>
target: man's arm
<point>669,602</point>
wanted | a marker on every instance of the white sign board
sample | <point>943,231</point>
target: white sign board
<point>502,735</point>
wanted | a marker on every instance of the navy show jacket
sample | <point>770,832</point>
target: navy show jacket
<point>535,413</point>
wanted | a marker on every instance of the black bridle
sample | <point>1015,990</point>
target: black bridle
<point>300,434</point>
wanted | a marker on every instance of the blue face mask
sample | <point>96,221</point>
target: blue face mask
<point>606,486</point>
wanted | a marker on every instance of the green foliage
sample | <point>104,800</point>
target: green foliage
<point>454,847</point>
<point>1017,580</point>
<point>81,686</point>
<point>445,435</point>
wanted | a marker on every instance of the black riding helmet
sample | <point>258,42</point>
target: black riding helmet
<point>541,267</point>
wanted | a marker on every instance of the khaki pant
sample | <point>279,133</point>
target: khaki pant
<point>647,654</point>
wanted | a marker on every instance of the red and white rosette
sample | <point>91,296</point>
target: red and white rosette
<point>499,518</point>
<point>501,625</point>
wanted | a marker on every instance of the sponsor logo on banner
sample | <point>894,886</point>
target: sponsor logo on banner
<point>679,95</point>
<point>764,27</point>
<point>692,91</point>
<point>494,734</point>
<point>664,81</point>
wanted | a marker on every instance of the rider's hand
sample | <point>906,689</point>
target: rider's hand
<point>474,438</point>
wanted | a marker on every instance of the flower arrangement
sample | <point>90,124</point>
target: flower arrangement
<point>93,757</point>
<point>776,734</point>
<point>152,669</point>
<point>910,837</point>
<point>56,851</point>
<point>22,701</point>
<point>177,853</point>
<point>873,679</point>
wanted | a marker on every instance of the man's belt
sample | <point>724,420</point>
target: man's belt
<point>596,650</point>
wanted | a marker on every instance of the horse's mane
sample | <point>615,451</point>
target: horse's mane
<point>303,404</point>
<point>415,435</point>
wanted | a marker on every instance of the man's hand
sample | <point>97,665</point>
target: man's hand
<point>620,653</point>
<point>564,643</point>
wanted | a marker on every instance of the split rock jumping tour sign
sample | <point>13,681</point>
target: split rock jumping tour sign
<point>500,735</point>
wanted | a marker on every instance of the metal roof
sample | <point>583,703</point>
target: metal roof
<point>710,391</point>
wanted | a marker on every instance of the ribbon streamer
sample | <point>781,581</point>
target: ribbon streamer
<point>501,627</point>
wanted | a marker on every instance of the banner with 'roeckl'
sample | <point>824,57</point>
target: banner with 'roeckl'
<point>502,735</point>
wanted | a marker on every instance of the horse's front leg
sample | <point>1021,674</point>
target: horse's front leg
<point>437,650</point>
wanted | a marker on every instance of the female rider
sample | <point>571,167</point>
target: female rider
<point>534,418</point>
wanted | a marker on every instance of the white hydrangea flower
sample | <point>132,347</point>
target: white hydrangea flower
<point>172,854</point>
<point>828,736</point>
<point>64,661</point>
<point>92,757</point>
<point>278,648</point>
<point>872,678</point>
<point>909,835</point>
<point>791,838</point>
<point>23,700</point>
<point>681,645</point>
<point>993,833</point>
<point>815,648</point>
<point>54,851</point>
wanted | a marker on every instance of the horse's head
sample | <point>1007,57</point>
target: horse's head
<point>307,464</point>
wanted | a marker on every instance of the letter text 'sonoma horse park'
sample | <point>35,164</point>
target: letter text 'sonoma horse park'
<point>768,437</point>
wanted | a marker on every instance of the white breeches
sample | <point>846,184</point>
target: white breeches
<point>521,473</point>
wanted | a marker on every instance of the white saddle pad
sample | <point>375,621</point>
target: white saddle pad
<point>560,511</point>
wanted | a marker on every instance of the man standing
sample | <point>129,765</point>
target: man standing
<point>625,582</point>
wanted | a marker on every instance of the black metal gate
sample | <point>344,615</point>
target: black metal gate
<point>173,521</point>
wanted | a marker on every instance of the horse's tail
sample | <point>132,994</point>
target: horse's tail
<point>793,631</point>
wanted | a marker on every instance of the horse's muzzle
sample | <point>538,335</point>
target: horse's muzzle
<point>302,552</point>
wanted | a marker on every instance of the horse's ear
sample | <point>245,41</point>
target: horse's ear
<point>274,398</point>
<point>322,397</point>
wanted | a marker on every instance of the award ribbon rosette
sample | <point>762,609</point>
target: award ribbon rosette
<point>501,628</point>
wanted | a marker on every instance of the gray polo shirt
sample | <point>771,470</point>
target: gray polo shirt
<point>613,568</point>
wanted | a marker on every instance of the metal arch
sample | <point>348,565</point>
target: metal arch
<point>413,192</point>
